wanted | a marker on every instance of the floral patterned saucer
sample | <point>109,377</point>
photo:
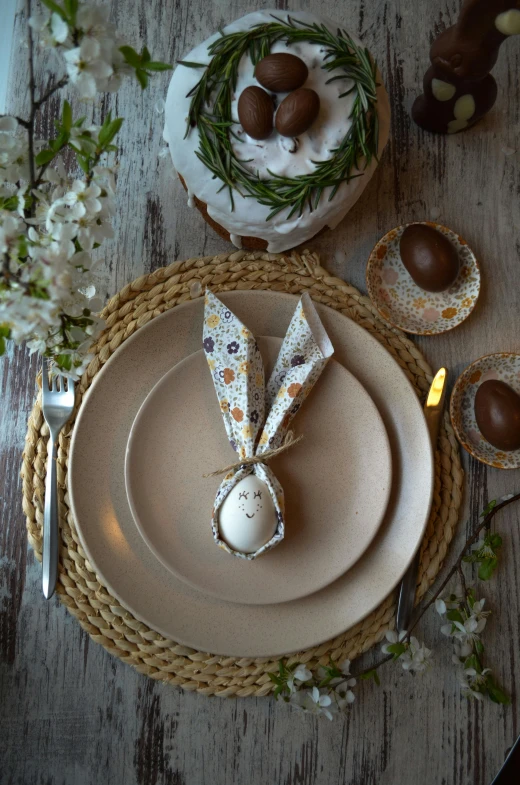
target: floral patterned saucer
<point>404,304</point>
<point>504,366</point>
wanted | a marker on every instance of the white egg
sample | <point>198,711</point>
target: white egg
<point>247,517</point>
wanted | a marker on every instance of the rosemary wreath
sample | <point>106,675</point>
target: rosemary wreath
<point>210,112</point>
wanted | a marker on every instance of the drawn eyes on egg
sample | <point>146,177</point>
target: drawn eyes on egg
<point>258,494</point>
<point>243,495</point>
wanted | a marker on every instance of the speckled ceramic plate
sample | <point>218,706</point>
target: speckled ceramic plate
<point>504,366</point>
<point>403,304</point>
<point>155,595</point>
<point>179,434</point>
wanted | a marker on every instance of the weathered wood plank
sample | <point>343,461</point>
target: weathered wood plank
<point>73,714</point>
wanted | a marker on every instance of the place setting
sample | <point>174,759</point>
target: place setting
<point>249,462</point>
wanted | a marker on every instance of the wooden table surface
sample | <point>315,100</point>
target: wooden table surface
<point>72,714</point>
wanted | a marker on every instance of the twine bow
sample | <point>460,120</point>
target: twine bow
<point>289,441</point>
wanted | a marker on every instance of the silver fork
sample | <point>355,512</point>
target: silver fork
<point>58,405</point>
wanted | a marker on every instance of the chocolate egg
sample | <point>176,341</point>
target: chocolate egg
<point>297,112</point>
<point>497,411</point>
<point>429,257</point>
<point>281,72</point>
<point>255,112</point>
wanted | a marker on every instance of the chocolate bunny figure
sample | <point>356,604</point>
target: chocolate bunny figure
<point>458,87</point>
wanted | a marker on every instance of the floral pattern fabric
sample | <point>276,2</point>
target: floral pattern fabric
<point>257,416</point>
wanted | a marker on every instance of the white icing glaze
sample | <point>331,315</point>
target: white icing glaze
<point>236,240</point>
<point>249,218</point>
<point>508,23</point>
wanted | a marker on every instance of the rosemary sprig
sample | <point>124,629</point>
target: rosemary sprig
<point>210,112</point>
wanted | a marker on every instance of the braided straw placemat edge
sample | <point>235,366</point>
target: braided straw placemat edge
<point>101,615</point>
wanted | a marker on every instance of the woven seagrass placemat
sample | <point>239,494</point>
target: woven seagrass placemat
<point>79,588</point>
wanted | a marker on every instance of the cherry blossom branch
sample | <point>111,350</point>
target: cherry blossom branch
<point>57,86</point>
<point>469,542</point>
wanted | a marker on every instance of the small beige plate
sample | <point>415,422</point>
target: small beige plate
<point>504,366</point>
<point>129,569</point>
<point>336,483</point>
<point>404,304</point>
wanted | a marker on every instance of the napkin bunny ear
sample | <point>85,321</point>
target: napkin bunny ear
<point>237,371</point>
<point>303,355</point>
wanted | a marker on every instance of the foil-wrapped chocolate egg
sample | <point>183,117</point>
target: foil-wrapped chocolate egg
<point>247,518</point>
<point>430,258</point>
<point>497,412</point>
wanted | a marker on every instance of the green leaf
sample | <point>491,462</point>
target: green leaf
<point>109,130</point>
<point>487,509</point>
<point>9,203</point>
<point>156,66</point>
<point>142,78</point>
<point>59,143</point>
<point>44,156</point>
<point>83,162</point>
<point>479,646</point>
<point>396,649</point>
<point>495,540</point>
<point>455,615</point>
<point>79,122</point>
<point>145,55</point>
<point>71,7</point>
<point>2,346</point>
<point>64,361</point>
<point>487,568</point>
<point>190,64</point>
<point>5,331</point>
<point>66,116</point>
<point>496,693</point>
<point>131,56</point>
<point>373,674</point>
<point>55,8</point>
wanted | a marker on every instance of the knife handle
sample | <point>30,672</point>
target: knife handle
<point>406,597</point>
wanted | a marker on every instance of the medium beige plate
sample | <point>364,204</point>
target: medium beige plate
<point>336,483</point>
<point>152,593</point>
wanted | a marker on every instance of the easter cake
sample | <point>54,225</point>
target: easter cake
<point>275,125</point>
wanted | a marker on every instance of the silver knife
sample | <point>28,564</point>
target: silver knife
<point>433,409</point>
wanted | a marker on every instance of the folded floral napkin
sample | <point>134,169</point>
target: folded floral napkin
<point>257,416</point>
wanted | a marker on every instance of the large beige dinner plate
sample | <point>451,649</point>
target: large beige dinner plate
<point>152,593</point>
<point>336,483</point>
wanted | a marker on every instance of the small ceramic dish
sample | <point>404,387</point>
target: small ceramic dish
<point>404,304</point>
<point>504,366</point>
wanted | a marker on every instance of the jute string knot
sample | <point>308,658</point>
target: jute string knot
<point>289,441</point>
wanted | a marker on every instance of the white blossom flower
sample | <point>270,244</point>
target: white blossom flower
<point>393,637</point>
<point>8,124</point>
<point>298,677</point>
<point>92,20</point>
<point>85,67</point>
<point>445,604</point>
<point>416,657</point>
<point>470,681</point>
<point>52,30</point>
<point>11,227</point>
<point>462,650</point>
<point>317,702</point>
<point>86,196</point>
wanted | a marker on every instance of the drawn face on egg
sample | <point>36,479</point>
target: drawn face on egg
<point>247,518</point>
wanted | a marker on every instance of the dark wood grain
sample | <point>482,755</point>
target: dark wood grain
<point>73,715</point>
